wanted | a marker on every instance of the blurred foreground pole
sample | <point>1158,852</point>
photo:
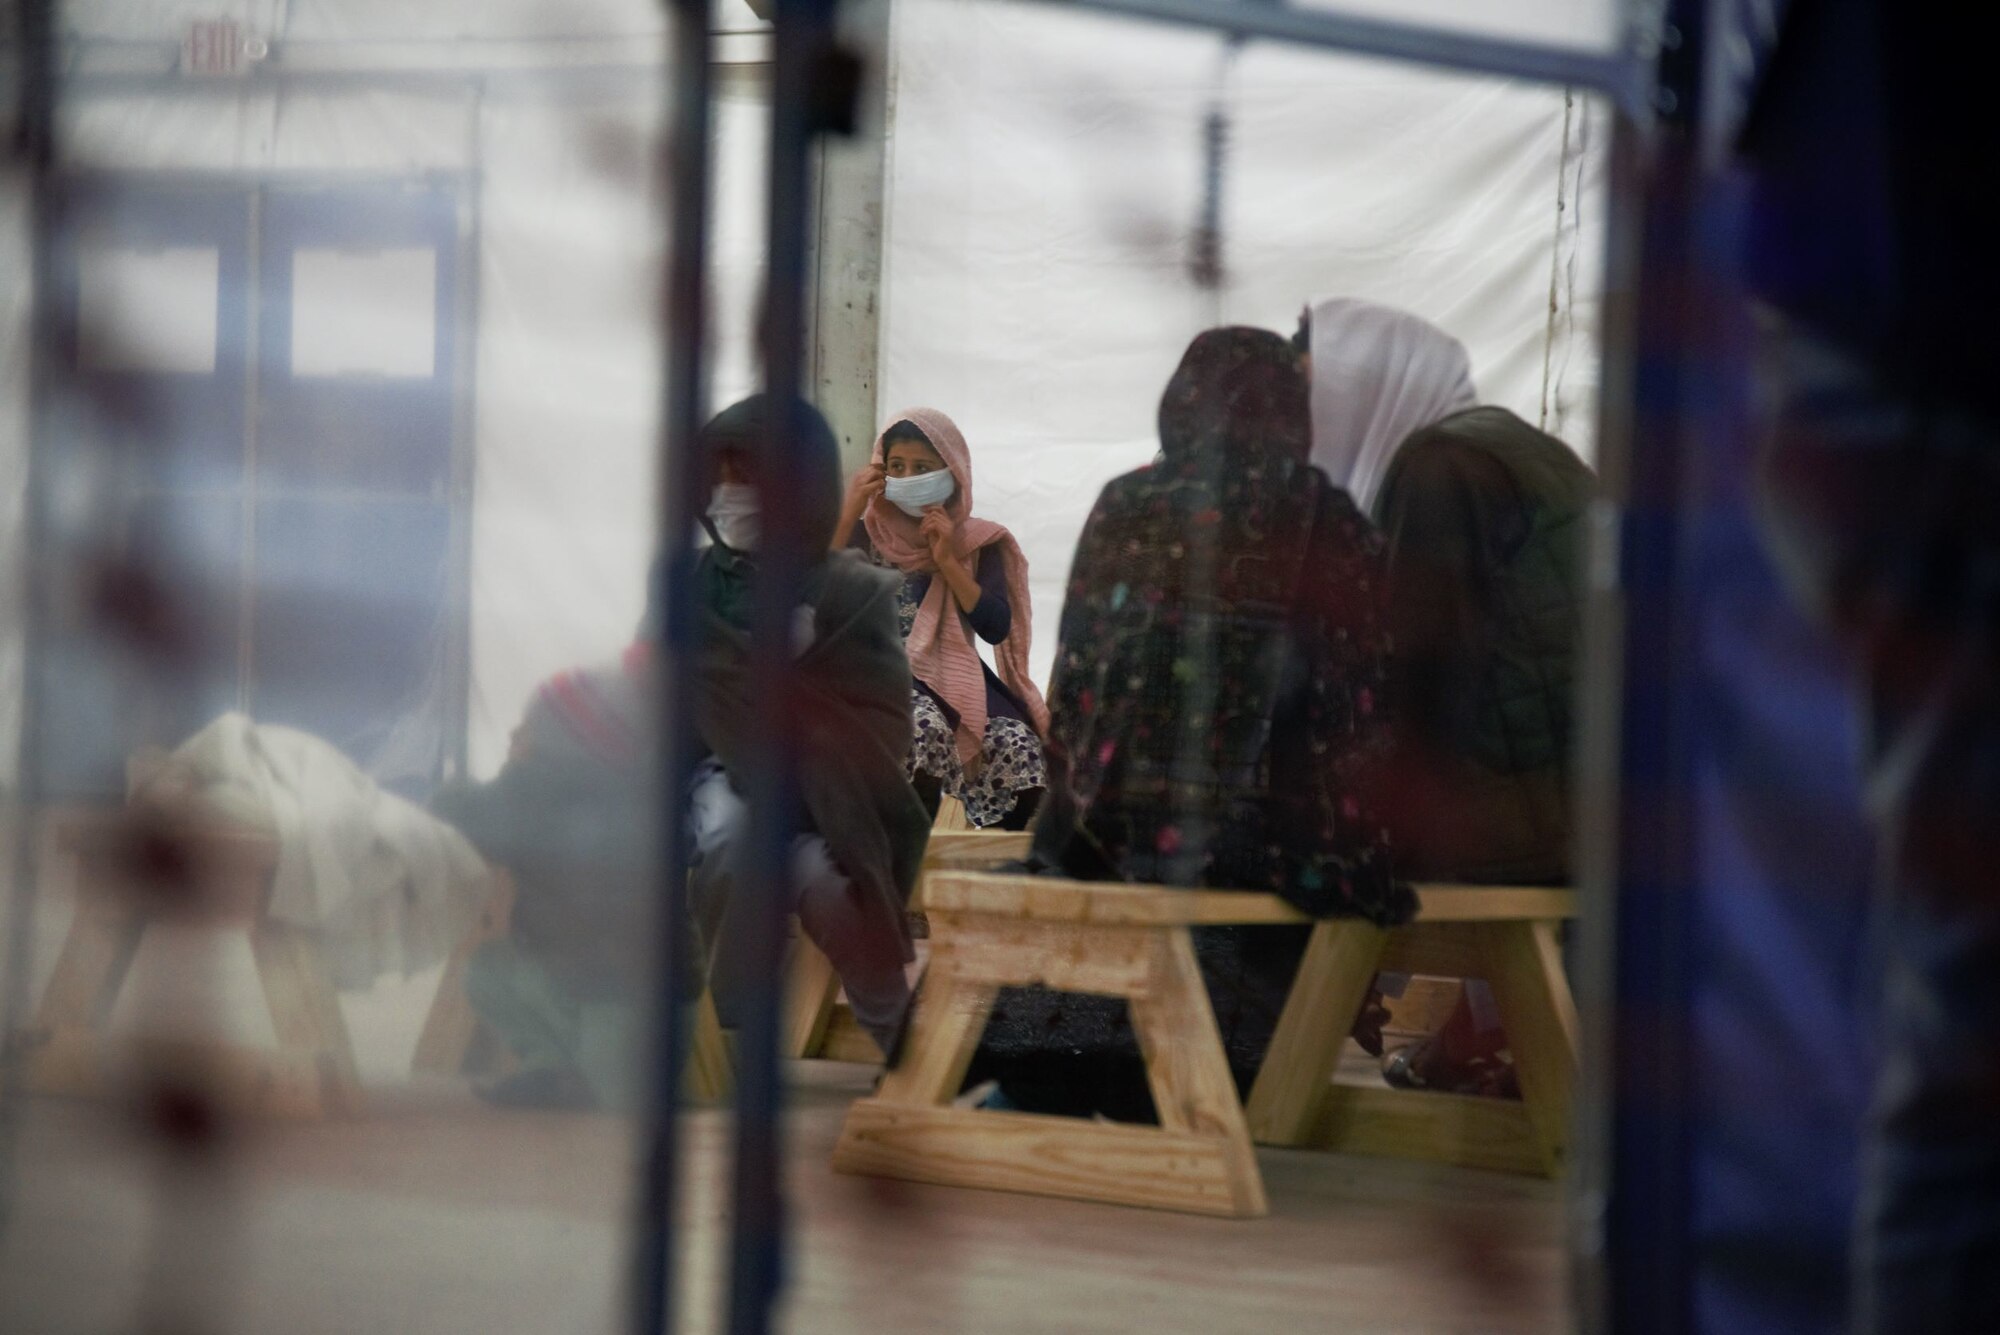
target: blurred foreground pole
<point>684,317</point>
<point>33,154</point>
<point>812,89</point>
<point>1636,848</point>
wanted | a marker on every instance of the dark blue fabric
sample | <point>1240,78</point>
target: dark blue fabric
<point>1862,221</point>
<point>1780,1025</point>
<point>1871,133</point>
<point>992,617</point>
<point>1783,873</point>
<point>1880,511</point>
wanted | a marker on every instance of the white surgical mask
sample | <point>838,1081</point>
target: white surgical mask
<point>734,511</point>
<point>914,495</point>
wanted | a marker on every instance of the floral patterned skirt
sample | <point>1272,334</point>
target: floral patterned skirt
<point>1013,762</point>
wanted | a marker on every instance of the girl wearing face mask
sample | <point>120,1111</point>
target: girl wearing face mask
<point>979,732</point>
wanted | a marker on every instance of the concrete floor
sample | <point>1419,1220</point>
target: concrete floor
<point>434,1215</point>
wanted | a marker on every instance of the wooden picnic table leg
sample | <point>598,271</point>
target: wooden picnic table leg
<point>950,1019</point>
<point>711,1067</point>
<point>1188,1069</point>
<point>305,1008</point>
<point>1538,1013</point>
<point>908,1128</point>
<point>452,1024</point>
<point>1295,1084</point>
<point>97,955</point>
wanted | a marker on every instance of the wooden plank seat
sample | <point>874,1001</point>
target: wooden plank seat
<point>990,931</point>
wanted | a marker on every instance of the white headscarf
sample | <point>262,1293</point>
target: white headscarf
<point>1378,374</point>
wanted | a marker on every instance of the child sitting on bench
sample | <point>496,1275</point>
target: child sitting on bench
<point>856,858</point>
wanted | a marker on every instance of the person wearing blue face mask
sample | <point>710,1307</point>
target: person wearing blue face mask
<point>916,494</point>
<point>979,732</point>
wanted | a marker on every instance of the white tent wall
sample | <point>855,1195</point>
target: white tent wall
<point>565,519</point>
<point>1045,176</point>
<point>257,130</point>
<point>567,403</point>
<point>440,24</point>
<point>567,357</point>
<point>1044,179</point>
<point>571,238</point>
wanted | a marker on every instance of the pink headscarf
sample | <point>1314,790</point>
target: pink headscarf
<point>942,654</point>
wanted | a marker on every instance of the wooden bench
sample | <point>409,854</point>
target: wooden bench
<point>1506,935</point>
<point>991,931</point>
<point>131,875</point>
<point>312,1072</point>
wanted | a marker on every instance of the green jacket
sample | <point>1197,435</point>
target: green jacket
<point>850,729</point>
<point>1484,517</point>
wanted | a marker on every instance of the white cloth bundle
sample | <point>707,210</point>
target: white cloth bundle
<point>387,885</point>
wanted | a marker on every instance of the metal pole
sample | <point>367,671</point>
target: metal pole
<point>1637,856</point>
<point>34,151</point>
<point>1614,72</point>
<point>803,33</point>
<point>684,298</point>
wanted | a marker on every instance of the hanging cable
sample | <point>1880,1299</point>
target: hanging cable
<point>1556,255</point>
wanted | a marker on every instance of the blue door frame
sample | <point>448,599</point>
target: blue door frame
<point>308,532</point>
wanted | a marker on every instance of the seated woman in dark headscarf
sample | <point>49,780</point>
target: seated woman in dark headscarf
<point>856,859</point>
<point>1483,517</point>
<point>1215,714</point>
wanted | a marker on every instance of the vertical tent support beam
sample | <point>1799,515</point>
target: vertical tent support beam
<point>847,314</point>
